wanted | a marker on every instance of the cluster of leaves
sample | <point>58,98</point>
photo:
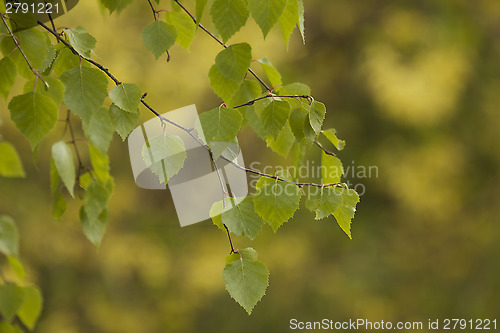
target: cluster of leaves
<point>61,78</point>
<point>20,303</point>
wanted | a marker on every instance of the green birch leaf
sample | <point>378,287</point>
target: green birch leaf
<point>9,239</point>
<point>96,198</point>
<point>295,89</point>
<point>8,77</point>
<point>55,90</point>
<point>289,19</point>
<point>301,21</point>
<point>49,61</point>
<point>220,124</point>
<point>215,214</point>
<point>65,60</point>
<point>276,201</point>
<point>272,73</point>
<point>115,5</point>
<point>225,88</point>
<point>248,90</point>
<point>184,26</point>
<point>34,115</point>
<point>255,122</point>
<point>283,143</point>
<point>298,120</point>
<point>31,308</point>
<point>100,164</point>
<point>233,62</point>
<point>324,201</point>
<point>331,135</point>
<point>242,220</point>
<point>54,177</point>
<point>63,160</point>
<point>86,89</point>
<point>94,228</point>
<point>317,112</point>
<point>85,180</point>
<point>164,155</point>
<point>274,117</point>
<point>81,40</point>
<point>10,163</point>
<point>35,44</point>
<point>229,16</point>
<point>345,212</point>
<point>59,206</point>
<point>99,130</point>
<point>246,278</point>
<point>200,8</point>
<point>266,13</point>
<point>159,37</point>
<point>331,169</point>
<point>11,299</point>
<point>17,267</point>
<point>126,96</point>
<point>124,122</point>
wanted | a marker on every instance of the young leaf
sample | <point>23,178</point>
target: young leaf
<point>8,77</point>
<point>215,214</point>
<point>246,278</point>
<point>266,13</point>
<point>81,40</point>
<point>126,96</point>
<point>59,206</point>
<point>99,130</point>
<point>184,26</point>
<point>200,8</point>
<point>54,177</point>
<point>272,73</point>
<point>11,299</point>
<point>49,61</point>
<point>100,164</point>
<point>283,143</point>
<point>276,201</point>
<point>31,307</point>
<point>323,201</point>
<point>94,228</point>
<point>295,89</point>
<point>301,21</point>
<point>274,117</point>
<point>159,37</point>
<point>346,210</point>
<point>248,90</point>
<point>115,5</point>
<point>65,60</point>
<point>123,122</point>
<point>289,19</point>
<point>242,220</point>
<point>331,169</point>
<point>86,89</point>
<point>222,86</point>
<point>63,160</point>
<point>17,267</point>
<point>229,16</point>
<point>233,62</point>
<point>331,135</point>
<point>164,155</point>
<point>34,115</point>
<point>220,124</point>
<point>96,197</point>
<point>55,90</point>
<point>317,113</point>
<point>10,163</point>
<point>9,240</point>
<point>35,46</point>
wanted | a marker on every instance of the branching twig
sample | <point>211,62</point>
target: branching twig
<point>18,46</point>
<point>271,96</point>
<point>323,148</point>
<point>189,131</point>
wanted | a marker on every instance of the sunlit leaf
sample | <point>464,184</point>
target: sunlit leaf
<point>159,37</point>
<point>123,122</point>
<point>289,19</point>
<point>184,26</point>
<point>241,219</point>
<point>331,169</point>
<point>274,117</point>
<point>164,155</point>
<point>17,267</point>
<point>126,96</point>
<point>233,61</point>
<point>11,299</point>
<point>345,212</point>
<point>271,72</point>
<point>324,201</point>
<point>246,278</point>
<point>81,40</point>
<point>63,160</point>
<point>266,13</point>
<point>283,142</point>
<point>31,307</point>
<point>8,77</point>
<point>9,239</point>
<point>10,163</point>
<point>317,112</point>
<point>200,8</point>
<point>229,16</point>
<point>55,90</point>
<point>225,88</point>
<point>99,130</point>
<point>331,135</point>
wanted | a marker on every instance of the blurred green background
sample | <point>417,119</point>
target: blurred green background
<point>414,89</point>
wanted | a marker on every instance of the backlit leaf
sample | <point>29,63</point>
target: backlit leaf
<point>200,8</point>
<point>9,239</point>
<point>11,299</point>
<point>274,117</point>
<point>159,37</point>
<point>289,19</point>
<point>164,155</point>
<point>225,88</point>
<point>34,115</point>
<point>266,13</point>
<point>246,278</point>
<point>272,73</point>
<point>123,122</point>
<point>31,307</point>
<point>283,143</point>
<point>10,163</point>
<point>8,77</point>
<point>324,201</point>
<point>99,130</point>
<point>241,219</point>
<point>55,90</point>
<point>63,160</point>
<point>126,96</point>
<point>229,16</point>
<point>234,61</point>
<point>317,112</point>
<point>184,26</point>
<point>331,169</point>
<point>331,135</point>
<point>81,40</point>
<point>346,210</point>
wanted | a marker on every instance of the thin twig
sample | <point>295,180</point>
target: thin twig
<point>153,9</point>
<point>18,46</point>
<point>323,148</point>
<point>189,131</point>
<point>271,96</point>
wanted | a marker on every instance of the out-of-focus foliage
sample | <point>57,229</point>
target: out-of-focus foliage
<point>414,88</point>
